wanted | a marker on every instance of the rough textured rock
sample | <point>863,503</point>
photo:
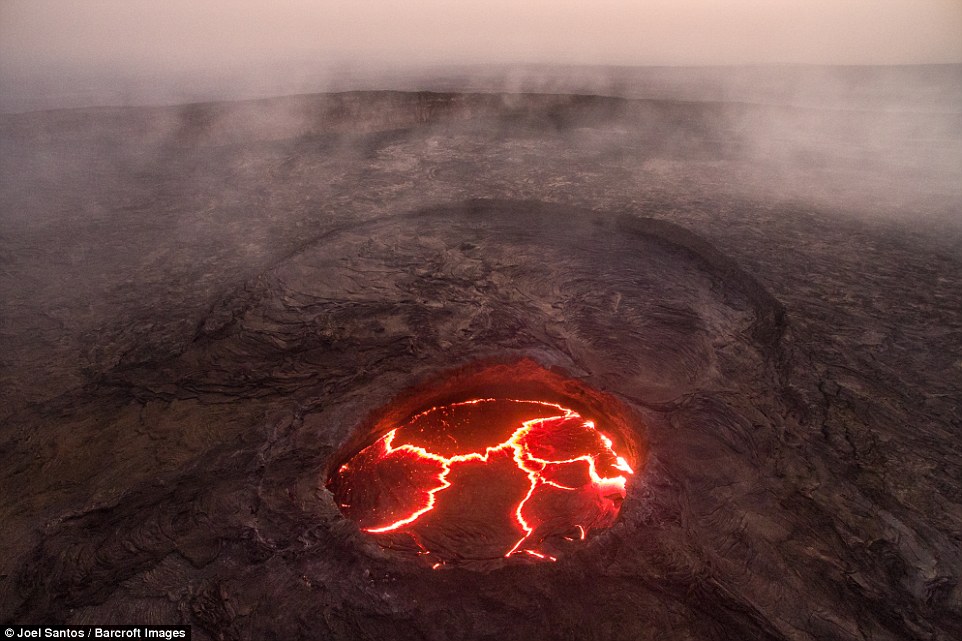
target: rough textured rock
<point>174,406</point>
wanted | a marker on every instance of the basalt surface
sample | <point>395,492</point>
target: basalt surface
<point>175,408</point>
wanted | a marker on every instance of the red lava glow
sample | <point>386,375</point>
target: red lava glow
<point>485,478</point>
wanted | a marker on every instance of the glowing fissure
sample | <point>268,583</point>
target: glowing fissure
<point>534,467</point>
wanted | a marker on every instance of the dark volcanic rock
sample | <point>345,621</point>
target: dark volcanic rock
<point>799,422</point>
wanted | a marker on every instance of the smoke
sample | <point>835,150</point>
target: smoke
<point>55,54</point>
<point>134,212</point>
<point>119,212</point>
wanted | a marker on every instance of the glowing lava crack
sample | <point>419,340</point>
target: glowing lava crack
<point>485,478</point>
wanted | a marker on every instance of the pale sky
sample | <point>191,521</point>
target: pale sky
<point>187,35</point>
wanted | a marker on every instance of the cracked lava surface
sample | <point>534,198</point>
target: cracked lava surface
<point>483,479</point>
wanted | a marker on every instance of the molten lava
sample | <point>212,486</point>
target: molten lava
<point>485,478</point>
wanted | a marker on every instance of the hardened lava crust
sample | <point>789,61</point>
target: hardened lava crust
<point>208,310</point>
<point>630,319</point>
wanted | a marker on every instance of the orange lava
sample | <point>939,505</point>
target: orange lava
<point>575,480</point>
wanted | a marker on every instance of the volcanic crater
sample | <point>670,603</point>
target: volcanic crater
<point>211,310</point>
